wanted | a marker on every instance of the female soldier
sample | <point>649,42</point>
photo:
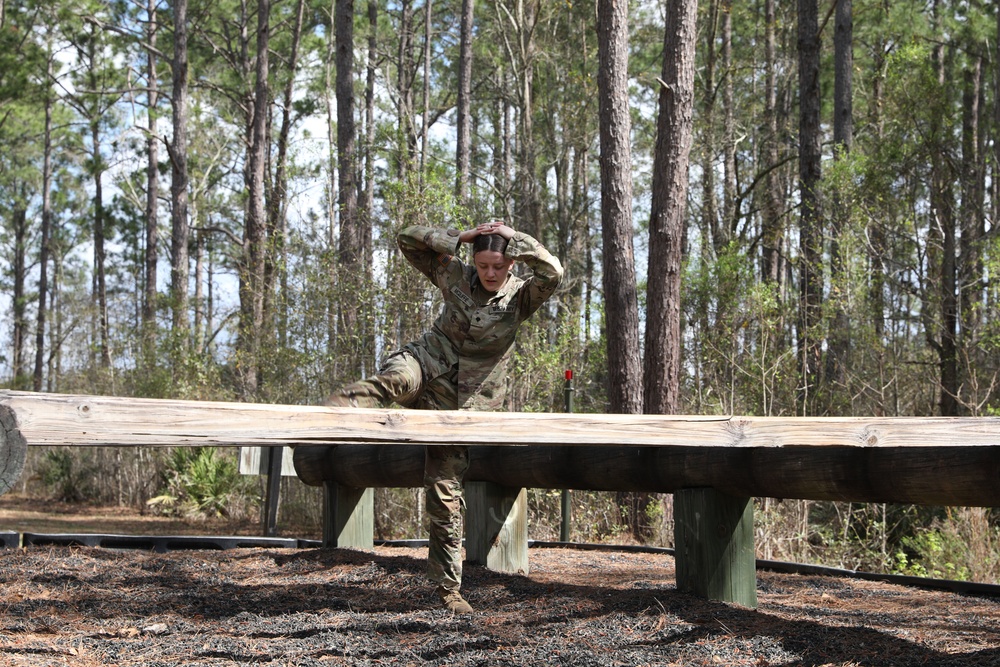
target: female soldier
<point>461,363</point>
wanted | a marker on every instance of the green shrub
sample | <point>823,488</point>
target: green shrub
<point>64,478</point>
<point>204,482</point>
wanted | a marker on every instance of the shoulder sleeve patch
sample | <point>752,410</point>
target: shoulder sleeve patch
<point>444,260</point>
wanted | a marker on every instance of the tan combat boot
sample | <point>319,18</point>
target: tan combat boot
<point>453,601</point>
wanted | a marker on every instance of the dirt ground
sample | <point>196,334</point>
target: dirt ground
<point>24,514</point>
<point>91,606</point>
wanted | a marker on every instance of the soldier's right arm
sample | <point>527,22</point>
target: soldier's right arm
<point>432,251</point>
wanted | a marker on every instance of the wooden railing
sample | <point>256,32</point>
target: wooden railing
<point>713,465</point>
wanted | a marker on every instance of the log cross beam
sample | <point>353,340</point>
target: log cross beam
<point>919,460</point>
<point>714,463</point>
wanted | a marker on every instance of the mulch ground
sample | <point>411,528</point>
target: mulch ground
<point>92,606</point>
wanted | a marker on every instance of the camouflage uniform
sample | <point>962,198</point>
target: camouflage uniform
<point>461,363</point>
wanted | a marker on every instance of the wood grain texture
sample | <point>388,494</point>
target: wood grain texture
<point>13,450</point>
<point>59,419</point>
<point>714,549</point>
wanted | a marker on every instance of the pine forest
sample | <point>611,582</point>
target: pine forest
<point>762,208</point>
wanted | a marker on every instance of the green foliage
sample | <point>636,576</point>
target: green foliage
<point>205,482</point>
<point>927,554</point>
<point>742,362</point>
<point>962,544</point>
<point>64,477</point>
<point>739,333</point>
<point>596,516</point>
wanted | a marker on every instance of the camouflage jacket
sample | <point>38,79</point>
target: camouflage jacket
<point>474,333</point>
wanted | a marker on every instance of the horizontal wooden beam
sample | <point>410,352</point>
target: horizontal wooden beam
<point>954,476</point>
<point>60,419</point>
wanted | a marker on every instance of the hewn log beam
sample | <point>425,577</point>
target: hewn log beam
<point>935,461</point>
<point>58,419</point>
<point>947,475</point>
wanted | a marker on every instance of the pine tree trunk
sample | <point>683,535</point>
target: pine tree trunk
<point>970,269</point>
<point>404,95</point>
<point>772,231</point>
<point>19,304</point>
<point>425,123</point>
<point>179,173</point>
<point>810,229</point>
<point>46,251</point>
<point>349,249</point>
<point>943,210</point>
<point>463,148</point>
<point>662,367</point>
<point>152,192</point>
<point>528,207</point>
<point>620,297</point>
<point>276,274</point>
<point>729,211</point>
<point>255,234</point>
<point>837,360</point>
<point>100,274</point>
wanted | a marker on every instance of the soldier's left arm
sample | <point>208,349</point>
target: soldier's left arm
<point>547,271</point>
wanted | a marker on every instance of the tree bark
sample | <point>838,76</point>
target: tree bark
<point>837,360</point>
<point>255,232</point>
<point>46,249</point>
<point>404,86</point>
<point>970,269</point>
<point>350,243</point>
<point>276,274</point>
<point>463,147</point>
<point>662,367</point>
<point>100,275</point>
<point>620,297</point>
<point>425,121</point>
<point>810,226</point>
<point>19,304</point>
<point>729,212</point>
<point>152,191</point>
<point>996,124</point>
<point>367,205</point>
<point>943,224</point>
<point>709,204</point>
<point>772,227</point>
<point>179,174</point>
<point>528,208</point>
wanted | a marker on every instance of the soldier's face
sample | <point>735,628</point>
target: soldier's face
<point>493,268</point>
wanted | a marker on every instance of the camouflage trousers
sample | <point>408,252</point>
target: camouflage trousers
<point>401,380</point>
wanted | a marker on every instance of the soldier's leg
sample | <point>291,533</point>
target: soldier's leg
<point>400,379</point>
<point>444,469</point>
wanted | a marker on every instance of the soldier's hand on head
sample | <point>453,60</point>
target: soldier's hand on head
<point>492,227</point>
<point>501,229</point>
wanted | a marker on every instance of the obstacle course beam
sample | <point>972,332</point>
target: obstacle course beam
<point>929,475</point>
<point>61,419</point>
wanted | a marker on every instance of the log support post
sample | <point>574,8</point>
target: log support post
<point>348,516</point>
<point>13,450</point>
<point>713,534</point>
<point>496,526</point>
<point>270,514</point>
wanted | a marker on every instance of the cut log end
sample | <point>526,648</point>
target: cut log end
<point>13,450</point>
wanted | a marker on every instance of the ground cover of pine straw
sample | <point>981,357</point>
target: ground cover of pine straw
<point>92,606</point>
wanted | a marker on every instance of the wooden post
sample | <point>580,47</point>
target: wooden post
<point>714,553</point>
<point>270,514</point>
<point>13,450</point>
<point>496,526</point>
<point>348,516</point>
